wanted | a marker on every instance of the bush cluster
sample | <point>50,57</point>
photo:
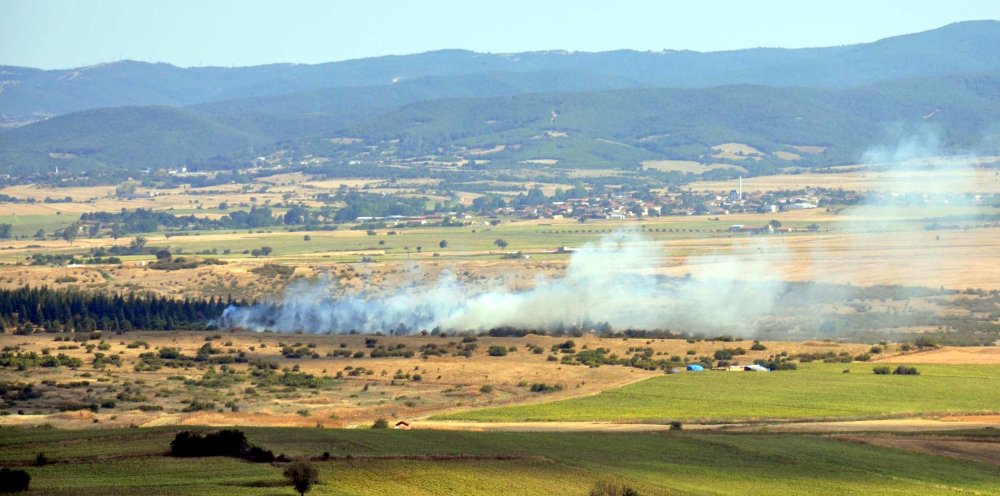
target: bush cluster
<point>227,442</point>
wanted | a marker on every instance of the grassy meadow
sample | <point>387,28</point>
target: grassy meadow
<point>126,461</point>
<point>815,391</point>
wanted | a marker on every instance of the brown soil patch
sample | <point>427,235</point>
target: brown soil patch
<point>980,450</point>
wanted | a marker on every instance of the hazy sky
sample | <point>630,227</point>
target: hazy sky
<point>70,33</point>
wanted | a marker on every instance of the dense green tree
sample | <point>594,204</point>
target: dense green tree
<point>70,232</point>
<point>302,475</point>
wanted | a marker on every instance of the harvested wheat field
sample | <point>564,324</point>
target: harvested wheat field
<point>949,355</point>
<point>963,179</point>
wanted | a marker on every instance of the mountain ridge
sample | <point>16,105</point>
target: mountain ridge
<point>31,94</point>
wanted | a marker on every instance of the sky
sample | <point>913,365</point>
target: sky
<point>72,33</point>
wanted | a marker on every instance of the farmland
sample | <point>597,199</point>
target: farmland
<point>339,380</point>
<point>884,177</point>
<point>721,397</point>
<point>435,462</point>
<point>559,272</point>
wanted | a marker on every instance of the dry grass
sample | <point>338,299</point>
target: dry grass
<point>448,384</point>
<point>737,151</point>
<point>951,259</point>
<point>686,166</point>
<point>783,155</point>
<point>808,149</point>
<point>487,151</point>
<point>921,181</point>
<point>949,355</point>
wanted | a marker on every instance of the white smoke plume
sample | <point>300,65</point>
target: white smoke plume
<point>611,282</point>
<point>615,282</point>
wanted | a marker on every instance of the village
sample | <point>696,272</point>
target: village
<point>630,205</point>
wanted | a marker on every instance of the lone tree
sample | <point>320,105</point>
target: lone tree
<point>443,244</point>
<point>69,232</point>
<point>501,243</point>
<point>137,244</point>
<point>302,475</point>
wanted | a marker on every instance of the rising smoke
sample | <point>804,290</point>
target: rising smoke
<point>611,282</point>
<point>615,281</point>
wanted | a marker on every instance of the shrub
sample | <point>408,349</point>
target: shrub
<point>757,346</point>
<point>486,389</point>
<point>777,364</point>
<point>381,423</point>
<point>882,370</point>
<point>545,388</point>
<point>728,353</point>
<point>227,442</point>
<point>497,351</point>
<point>611,488</point>
<point>14,481</point>
<point>904,370</point>
<point>257,454</point>
<point>170,353</point>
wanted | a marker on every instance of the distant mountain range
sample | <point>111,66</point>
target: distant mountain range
<point>610,109</point>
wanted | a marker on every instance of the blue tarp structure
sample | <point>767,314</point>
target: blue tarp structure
<point>695,368</point>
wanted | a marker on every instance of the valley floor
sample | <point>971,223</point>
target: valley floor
<point>429,462</point>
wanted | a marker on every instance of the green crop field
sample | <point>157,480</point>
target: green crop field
<point>28,225</point>
<point>129,461</point>
<point>816,390</point>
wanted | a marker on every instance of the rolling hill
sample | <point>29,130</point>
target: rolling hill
<point>127,138</point>
<point>615,128</point>
<point>567,109</point>
<point>29,94</point>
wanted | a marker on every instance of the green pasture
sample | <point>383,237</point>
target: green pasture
<point>28,225</point>
<point>421,462</point>
<point>815,391</point>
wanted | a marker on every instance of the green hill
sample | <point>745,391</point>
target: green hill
<point>130,138</point>
<point>621,127</point>
<point>611,128</point>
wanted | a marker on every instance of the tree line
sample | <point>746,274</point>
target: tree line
<point>27,309</point>
<point>144,220</point>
